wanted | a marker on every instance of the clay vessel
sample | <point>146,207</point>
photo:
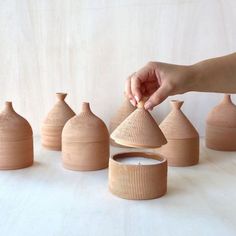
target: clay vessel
<point>139,129</point>
<point>16,140</point>
<point>85,142</point>
<point>182,148</point>
<point>54,123</point>
<point>138,182</point>
<point>122,113</point>
<point>221,126</point>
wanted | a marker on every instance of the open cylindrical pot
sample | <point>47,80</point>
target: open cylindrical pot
<point>139,180</point>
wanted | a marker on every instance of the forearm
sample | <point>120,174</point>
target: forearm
<point>215,75</point>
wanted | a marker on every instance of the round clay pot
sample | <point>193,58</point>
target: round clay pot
<point>139,130</point>
<point>122,113</point>
<point>85,142</point>
<point>221,126</point>
<point>182,148</point>
<point>137,182</point>
<point>16,140</point>
<point>54,123</point>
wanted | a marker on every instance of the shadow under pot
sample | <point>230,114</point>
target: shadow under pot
<point>138,175</point>
<point>16,140</point>
<point>85,142</point>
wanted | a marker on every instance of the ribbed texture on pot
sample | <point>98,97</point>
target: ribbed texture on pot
<point>139,129</point>
<point>54,123</point>
<point>176,125</point>
<point>221,126</point>
<point>137,181</point>
<point>16,140</point>
<point>121,114</point>
<point>85,142</point>
<point>182,148</point>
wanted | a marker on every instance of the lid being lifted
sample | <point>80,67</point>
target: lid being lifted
<point>139,129</point>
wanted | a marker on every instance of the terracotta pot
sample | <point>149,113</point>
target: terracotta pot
<point>54,123</point>
<point>221,126</point>
<point>122,113</point>
<point>16,140</point>
<point>139,129</point>
<point>138,181</point>
<point>182,148</point>
<point>85,142</point>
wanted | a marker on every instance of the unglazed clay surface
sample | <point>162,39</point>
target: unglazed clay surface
<point>139,129</point>
<point>16,140</point>
<point>221,126</point>
<point>85,142</point>
<point>54,123</point>
<point>182,148</point>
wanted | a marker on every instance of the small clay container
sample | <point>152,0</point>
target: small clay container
<point>16,140</point>
<point>139,130</point>
<point>182,148</point>
<point>54,123</point>
<point>121,114</point>
<point>85,142</point>
<point>221,126</point>
<point>138,182</point>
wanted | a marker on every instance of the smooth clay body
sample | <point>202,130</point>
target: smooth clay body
<point>182,148</point>
<point>16,140</point>
<point>54,123</point>
<point>140,130</point>
<point>137,182</point>
<point>221,126</point>
<point>121,114</point>
<point>85,142</point>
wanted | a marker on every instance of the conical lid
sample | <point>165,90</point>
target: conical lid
<point>176,125</point>
<point>13,127</point>
<point>224,114</point>
<point>139,129</point>
<point>121,114</point>
<point>85,127</point>
<point>60,113</point>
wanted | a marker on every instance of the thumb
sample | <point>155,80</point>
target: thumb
<point>158,97</point>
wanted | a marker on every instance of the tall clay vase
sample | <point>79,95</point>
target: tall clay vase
<point>54,123</point>
<point>221,126</point>
<point>85,142</point>
<point>16,140</point>
<point>122,113</point>
<point>182,148</point>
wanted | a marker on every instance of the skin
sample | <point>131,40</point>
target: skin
<point>157,80</point>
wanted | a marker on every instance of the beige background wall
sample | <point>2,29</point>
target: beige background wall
<point>88,48</point>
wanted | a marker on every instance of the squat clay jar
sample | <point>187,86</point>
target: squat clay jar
<point>54,123</point>
<point>16,140</point>
<point>85,142</point>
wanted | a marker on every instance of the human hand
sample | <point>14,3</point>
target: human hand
<point>157,81</point>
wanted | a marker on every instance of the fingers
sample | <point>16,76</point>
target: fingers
<point>128,91</point>
<point>157,97</point>
<point>136,87</point>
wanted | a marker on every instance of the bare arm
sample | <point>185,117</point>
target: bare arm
<point>159,80</point>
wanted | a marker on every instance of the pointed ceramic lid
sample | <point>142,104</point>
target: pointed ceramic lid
<point>85,127</point>
<point>123,112</point>
<point>60,112</point>
<point>223,114</point>
<point>13,127</point>
<point>176,125</point>
<point>139,129</point>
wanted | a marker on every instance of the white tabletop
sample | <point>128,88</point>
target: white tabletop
<point>46,199</point>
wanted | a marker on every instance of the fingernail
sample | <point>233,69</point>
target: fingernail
<point>136,98</point>
<point>148,106</point>
<point>132,102</point>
